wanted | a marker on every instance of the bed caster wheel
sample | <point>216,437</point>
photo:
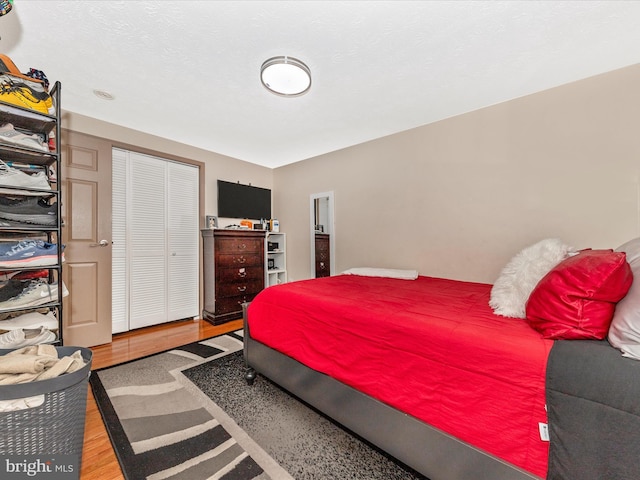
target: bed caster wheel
<point>250,376</point>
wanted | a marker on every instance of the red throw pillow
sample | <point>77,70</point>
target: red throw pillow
<point>577,298</point>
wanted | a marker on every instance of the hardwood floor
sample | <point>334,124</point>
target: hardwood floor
<point>99,461</point>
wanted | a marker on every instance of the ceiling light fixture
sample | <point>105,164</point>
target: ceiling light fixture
<point>285,76</point>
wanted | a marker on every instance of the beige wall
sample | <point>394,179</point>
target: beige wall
<point>459,197</point>
<point>216,166</point>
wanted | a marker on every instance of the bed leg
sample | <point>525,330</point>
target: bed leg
<point>250,375</point>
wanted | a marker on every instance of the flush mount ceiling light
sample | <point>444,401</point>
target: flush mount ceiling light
<point>285,76</point>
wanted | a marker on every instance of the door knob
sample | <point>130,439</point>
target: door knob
<point>102,243</point>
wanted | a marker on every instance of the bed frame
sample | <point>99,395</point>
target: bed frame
<point>428,450</point>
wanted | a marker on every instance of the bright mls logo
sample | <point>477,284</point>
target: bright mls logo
<point>58,467</point>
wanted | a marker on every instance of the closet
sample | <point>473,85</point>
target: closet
<point>155,256</point>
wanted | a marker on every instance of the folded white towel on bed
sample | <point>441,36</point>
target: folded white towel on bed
<point>383,272</point>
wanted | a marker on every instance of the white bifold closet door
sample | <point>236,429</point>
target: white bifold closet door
<point>155,240</point>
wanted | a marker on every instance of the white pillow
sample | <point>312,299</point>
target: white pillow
<point>519,277</point>
<point>383,272</point>
<point>624,332</point>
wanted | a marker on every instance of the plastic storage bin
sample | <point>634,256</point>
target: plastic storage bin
<point>56,427</point>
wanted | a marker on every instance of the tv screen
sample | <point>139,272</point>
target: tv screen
<point>243,201</point>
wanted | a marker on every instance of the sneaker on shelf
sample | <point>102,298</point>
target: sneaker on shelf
<point>8,134</point>
<point>12,288</point>
<point>36,292</point>
<point>28,93</point>
<point>28,253</point>
<point>7,275</point>
<point>13,177</point>
<point>31,274</point>
<point>30,320</point>
<point>43,309</point>
<point>23,337</point>
<point>30,210</point>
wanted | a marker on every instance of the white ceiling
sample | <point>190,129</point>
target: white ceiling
<point>189,70</point>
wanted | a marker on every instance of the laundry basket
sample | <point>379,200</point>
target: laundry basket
<point>56,426</point>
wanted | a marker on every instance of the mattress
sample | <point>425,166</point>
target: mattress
<point>592,395</point>
<point>430,347</point>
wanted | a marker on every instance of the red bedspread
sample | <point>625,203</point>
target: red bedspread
<point>429,347</point>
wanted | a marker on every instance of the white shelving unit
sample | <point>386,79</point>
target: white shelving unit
<point>275,259</point>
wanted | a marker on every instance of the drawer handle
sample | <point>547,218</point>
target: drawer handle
<point>242,274</point>
<point>242,246</point>
<point>241,260</point>
<point>242,289</point>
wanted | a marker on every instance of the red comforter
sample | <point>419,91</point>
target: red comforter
<point>429,347</point>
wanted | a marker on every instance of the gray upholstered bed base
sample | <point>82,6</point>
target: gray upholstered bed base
<point>428,450</point>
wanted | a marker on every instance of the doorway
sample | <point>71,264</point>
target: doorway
<point>322,234</point>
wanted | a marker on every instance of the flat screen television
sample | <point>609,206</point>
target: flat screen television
<point>236,200</point>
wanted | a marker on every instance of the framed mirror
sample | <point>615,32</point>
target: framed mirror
<point>322,234</point>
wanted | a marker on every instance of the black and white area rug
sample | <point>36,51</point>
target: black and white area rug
<point>189,414</point>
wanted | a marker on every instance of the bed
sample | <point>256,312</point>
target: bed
<point>425,370</point>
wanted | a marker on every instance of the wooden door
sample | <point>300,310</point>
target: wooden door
<point>86,213</point>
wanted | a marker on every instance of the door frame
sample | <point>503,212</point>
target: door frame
<point>109,144</point>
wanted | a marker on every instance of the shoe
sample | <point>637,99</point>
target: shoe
<point>26,93</point>
<point>12,288</point>
<point>28,253</point>
<point>9,314</point>
<point>24,274</point>
<point>29,210</point>
<point>12,177</point>
<point>30,320</point>
<point>8,134</point>
<point>24,337</point>
<point>36,292</point>
<point>7,275</point>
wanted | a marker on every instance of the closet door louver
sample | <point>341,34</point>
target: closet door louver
<point>156,275</point>
<point>146,227</point>
<point>119,285</point>
<point>183,240</point>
